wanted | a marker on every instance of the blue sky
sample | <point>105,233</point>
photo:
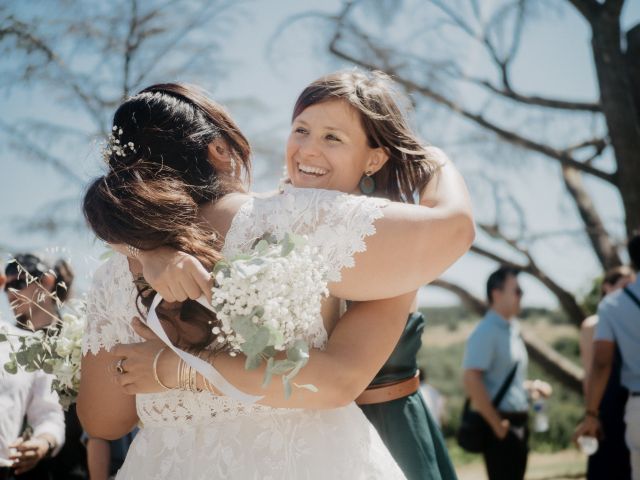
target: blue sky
<point>558,43</point>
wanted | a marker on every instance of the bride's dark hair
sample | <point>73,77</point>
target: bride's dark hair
<point>159,172</point>
<point>150,195</point>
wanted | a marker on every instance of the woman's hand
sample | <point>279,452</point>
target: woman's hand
<point>136,362</point>
<point>176,276</point>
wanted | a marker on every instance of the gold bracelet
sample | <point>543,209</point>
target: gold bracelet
<point>155,369</point>
<point>183,378</point>
<point>206,383</point>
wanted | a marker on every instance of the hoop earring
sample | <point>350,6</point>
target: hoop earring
<point>367,184</point>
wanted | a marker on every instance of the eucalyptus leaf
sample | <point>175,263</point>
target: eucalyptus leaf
<point>252,362</point>
<point>221,266</point>
<point>299,351</point>
<point>267,373</point>
<point>3,337</point>
<point>287,387</point>
<point>21,357</point>
<point>280,367</point>
<point>47,366</point>
<point>287,247</point>
<point>261,246</point>
<point>11,367</point>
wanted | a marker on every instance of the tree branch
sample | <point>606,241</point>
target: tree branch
<point>535,100</point>
<point>564,370</point>
<point>566,299</point>
<point>509,136</point>
<point>602,245</point>
<point>469,300</point>
<point>23,143</point>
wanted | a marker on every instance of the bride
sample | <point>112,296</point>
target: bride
<point>162,188</point>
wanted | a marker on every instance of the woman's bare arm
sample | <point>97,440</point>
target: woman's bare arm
<point>359,345</point>
<point>412,246</point>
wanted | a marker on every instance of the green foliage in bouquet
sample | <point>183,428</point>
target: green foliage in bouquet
<point>266,300</point>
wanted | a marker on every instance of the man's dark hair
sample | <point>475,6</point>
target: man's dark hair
<point>634,250</point>
<point>498,278</point>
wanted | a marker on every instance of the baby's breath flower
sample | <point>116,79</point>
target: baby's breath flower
<point>277,287</point>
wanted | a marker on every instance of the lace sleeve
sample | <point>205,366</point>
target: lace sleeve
<point>110,307</point>
<point>334,222</point>
<point>343,223</point>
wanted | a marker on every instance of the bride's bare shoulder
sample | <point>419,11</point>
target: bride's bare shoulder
<point>220,214</point>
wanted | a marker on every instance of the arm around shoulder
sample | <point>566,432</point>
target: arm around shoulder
<point>412,244</point>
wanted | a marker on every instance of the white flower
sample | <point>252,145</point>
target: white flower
<point>64,346</point>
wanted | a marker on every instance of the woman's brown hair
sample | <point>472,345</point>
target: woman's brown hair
<point>159,173</point>
<point>373,96</point>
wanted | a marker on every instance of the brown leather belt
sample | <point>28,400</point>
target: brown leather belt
<point>389,391</point>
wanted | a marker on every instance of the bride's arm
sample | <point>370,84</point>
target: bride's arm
<point>104,410</point>
<point>412,246</point>
<point>359,345</point>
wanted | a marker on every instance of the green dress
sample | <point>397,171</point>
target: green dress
<point>406,425</point>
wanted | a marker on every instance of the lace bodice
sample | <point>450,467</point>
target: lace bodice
<point>335,223</point>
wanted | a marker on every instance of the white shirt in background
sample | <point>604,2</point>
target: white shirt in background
<point>26,394</point>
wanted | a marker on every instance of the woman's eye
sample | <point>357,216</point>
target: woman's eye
<point>300,130</point>
<point>332,138</point>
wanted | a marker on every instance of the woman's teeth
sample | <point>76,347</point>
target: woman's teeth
<point>312,170</point>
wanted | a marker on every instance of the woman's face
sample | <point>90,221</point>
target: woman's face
<point>327,148</point>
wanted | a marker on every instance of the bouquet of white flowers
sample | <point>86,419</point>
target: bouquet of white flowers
<point>56,350</point>
<point>266,301</point>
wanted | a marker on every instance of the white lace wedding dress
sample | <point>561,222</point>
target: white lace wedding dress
<point>191,436</point>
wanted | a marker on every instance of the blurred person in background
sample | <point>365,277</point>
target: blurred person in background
<point>495,355</point>
<point>611,460</point>
<point>27,395</point>
<point>618,327</point>
<point>35,289</point>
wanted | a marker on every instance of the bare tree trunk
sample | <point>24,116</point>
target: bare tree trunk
<point>618,106</point>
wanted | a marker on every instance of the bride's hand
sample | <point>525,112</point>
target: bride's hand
<point>136,359</point>
<point>175,275</point>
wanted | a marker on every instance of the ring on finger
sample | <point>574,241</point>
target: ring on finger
<point>120,366</point>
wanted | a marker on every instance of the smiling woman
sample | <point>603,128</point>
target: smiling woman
<point>328,148</point>
<point>349,133</point>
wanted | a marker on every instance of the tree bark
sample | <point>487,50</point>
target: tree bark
<point>618,106</point>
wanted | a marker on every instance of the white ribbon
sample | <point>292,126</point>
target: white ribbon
<point>214,377</point>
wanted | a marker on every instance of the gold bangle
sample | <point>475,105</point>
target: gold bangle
<point>155,369</point>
